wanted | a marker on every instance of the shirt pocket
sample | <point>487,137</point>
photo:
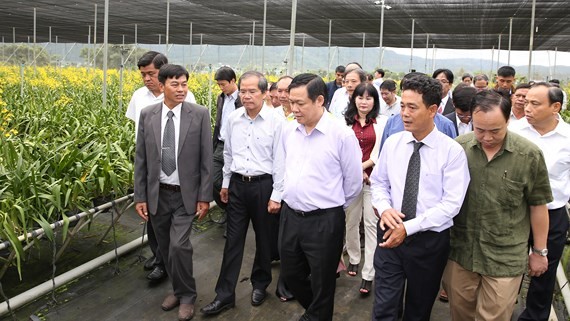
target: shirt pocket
<point>511,194</point>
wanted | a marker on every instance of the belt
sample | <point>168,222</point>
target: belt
<point>316,212</point>
<point>250,179</point>
<point>174,188</point>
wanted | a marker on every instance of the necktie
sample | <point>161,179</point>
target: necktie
<point>168,142</point>
<point>410,199</point>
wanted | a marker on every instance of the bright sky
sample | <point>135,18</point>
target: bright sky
<point>544,58</point>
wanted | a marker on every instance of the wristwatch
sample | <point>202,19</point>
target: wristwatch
<point>543,252</point>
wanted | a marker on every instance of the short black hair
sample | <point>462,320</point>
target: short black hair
<point>506,71</point>
<point>410,75</point>
<point>381,72</point>
<point>448,74</point>
<point>522,85</point>
<point>555,94</point>
<point>462,97</point>
<point>554,81</point>
<point>273,86</point>
<point>429,88</point>
<point>487,100</point>
<point>225,73</point>
<point>152,57</point>
<point>171,71</point>
<point>261,84</point>
<point>352,110</point>
<point>388,84</point>
<point>315,86</point>
<point>340,69</point>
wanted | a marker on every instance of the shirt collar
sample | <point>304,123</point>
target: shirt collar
<point>263,113</point>
<point>176,110</point>
<point>322,126</point>
<point>233,96</point>
<point>508,145</point>
<point>150,94</point>
<point>430,140</point>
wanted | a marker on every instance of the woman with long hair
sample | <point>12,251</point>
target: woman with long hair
<point>363,116</point>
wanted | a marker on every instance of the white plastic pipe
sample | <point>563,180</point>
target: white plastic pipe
<point>66,277</point>
<point>562,282</point>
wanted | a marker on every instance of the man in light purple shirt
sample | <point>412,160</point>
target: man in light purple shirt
<point>323,175</point>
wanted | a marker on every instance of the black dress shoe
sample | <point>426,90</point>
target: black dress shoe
<point>158,274</point>
<point>282,292</point>
<point>216,307</point>
<point>258,296</point>
<point>149,263</point>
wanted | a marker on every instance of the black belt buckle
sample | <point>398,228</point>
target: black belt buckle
<point>174,188</point>
<point>248,179</point>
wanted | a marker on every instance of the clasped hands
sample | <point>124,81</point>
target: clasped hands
<point>396,233</point>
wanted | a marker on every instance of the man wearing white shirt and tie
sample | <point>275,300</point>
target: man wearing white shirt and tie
<point>417,188</point>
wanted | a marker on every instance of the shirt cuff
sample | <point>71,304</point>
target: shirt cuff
<point>276,196</point>
<point>412,226</point>
<point>226,182</point>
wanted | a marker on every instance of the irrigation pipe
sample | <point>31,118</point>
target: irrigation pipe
<point>563,283</point>
<point>40,231</point>
<point>66,277</point>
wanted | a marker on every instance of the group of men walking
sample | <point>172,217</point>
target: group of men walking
<point>458,211</point>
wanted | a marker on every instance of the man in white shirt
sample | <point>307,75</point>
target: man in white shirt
<point>252,187</point>
<point>518,102</point>
<point>150,94</point>
<point>461,117</point>
<point>283,95</point>
<point>417,188</point>
<point>544,127</point>
<point>378,77</point>
<point>390,103</point>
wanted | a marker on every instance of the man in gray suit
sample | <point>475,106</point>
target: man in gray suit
<point>173,182</point>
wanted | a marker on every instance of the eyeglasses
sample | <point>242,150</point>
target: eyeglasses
<point>444,81</point>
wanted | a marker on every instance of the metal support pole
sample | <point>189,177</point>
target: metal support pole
<point>412,45</point>
<point>530,45</point>
<point>427,48</point>
<point>263,37</point>
<point>329,59</point>
<point>433,58</point>
<point>35,26</point>
<point>167,24</point>
<point>303,54</point>
<point>49,37</point>
<point>492,61</point>
<point>363,46</point>
<point>554,68</point>
<point>291,63</point>
<point>88,48</point>
<point>499,52</point>
<point>380,46</point>
<point>510,39</point>
<point>14,35</point>
<point>105,51</point>
<point>190,50</point>
<point>160,40</point>
<point>253,46</point>
<point>94,39</point>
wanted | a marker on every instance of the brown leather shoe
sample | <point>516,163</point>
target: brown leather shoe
<point>170,302</point>
<point>185,312</point>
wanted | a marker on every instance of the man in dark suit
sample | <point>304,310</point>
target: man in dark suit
<point>461,117</point>
<point>227,102</point>
<point>173,180</point>
<point>445,77</point>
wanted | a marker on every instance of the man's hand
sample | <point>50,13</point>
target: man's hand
<point>537,264</point>
<point>224,195</point>
<point>273,207</point>
<point>365,178</point>
<point>202,209</point>
<point>142,210</point>
<point>391,218</point>
<point>394,237</point>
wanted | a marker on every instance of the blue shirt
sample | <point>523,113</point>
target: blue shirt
<point>331,88</point>
<point>396,125</point>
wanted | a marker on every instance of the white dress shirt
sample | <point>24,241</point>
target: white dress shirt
<point>444,178</point>
<point>229,107</point>
<point>173,179</point>
<point>252,147</point>
<point>463,128</point>
<point>324,168</point>
<point>392,109</point>
<point>555,146</point>
<point>142,98</point>
<point>339,102</point>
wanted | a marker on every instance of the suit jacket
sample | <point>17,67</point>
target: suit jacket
<point>220,107</point>
<point>449,107</point>
<point>453,119</point>
<point>194,156</point>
